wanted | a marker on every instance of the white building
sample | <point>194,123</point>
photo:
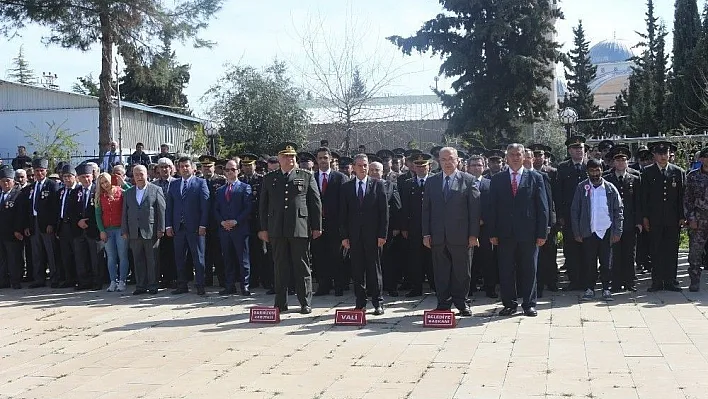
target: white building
<point>30,109</point>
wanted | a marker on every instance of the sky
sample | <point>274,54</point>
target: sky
<point>257,32</point>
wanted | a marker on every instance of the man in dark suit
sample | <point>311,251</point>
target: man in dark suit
<point>451,215</point>
<point>43,215</point>
<point>261,272</point>
<point>547,263</point>
<point>570,173</point>
<point>629,187</point>
<point>390,261</point>
<point>142,225</point>
<point>597,220</point>
<point>11,225</point>
<point>518,224</point>
<point>186,219</point>
<point>364,214</point>
<point>484,262</point>
<point>213,261</point>
<point>291,213</point>
<point>326,249</point>
<point>64,227</point>
<point>232,209</point>
<point>87,243</point>
<point>663,215</point>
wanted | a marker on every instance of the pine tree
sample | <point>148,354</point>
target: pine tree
<point>683,98</point>
<point>20,71</point>
<point>579,75</point>
<point>358,87</point>
<point>501,54</point>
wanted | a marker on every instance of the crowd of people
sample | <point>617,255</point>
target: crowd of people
<point>397,220</point>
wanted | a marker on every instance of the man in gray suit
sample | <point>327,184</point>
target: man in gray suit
<point>143,225</point>
<point>451,213</point>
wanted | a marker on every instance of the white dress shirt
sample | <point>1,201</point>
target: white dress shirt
<point>37,189</point>
<point>327,173</point>
<point>518,175</point>
<point>453,177</point>
<point>363,186</point>
<point>599,212</point>
<point>139,193</point>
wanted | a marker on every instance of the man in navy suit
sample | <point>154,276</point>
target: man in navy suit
<point>484,262</point>
<point>518,224</point>
<point>187,216</point>
<point>364,210</point>
<point>326,250</point>
<point>232,209</point>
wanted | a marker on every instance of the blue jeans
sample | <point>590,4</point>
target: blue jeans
<point>117,254</point>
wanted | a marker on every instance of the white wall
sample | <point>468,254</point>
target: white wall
<point>84,122</point>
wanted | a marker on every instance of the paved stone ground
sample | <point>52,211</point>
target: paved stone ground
<point>60,344</point>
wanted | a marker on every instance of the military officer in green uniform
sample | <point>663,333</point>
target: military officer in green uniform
<point>663,215</point>
<point>213,261</point>
<point>290,212</point>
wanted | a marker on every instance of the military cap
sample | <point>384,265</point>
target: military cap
<point>491,154</point>
<point>703,153</point>
<point>334,155</point>
<point>67,170</point>
<point>54,176</point>
<point>410,152</point>
<point>605,145</point>
<point>620,151</point>
<point>287,148</point>
<point>207,160</point>
<point>272,159</point>
<point>421,159</point>
<point>398,151</point>
<point>462,155</point>
<point>362,148</point>
<point>248,158</point>
<point>373,158</point>
<point>324,143</point>
<point>575,141</point>
<point>539,148</point>
<point>435,151</point>
<point>344,161</point>
<point>84,169</point>
<point>40,163</point>
<point>305,156</point>
<point>661,147</point>
<point>385,154</point>
<point>7,172</point>
<point>261,164</point>
<point>221,162</point>
<point>642,149</point>
<point>477,150</point>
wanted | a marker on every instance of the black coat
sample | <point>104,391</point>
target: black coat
<point>11,218</point>
<point>568,180</point>
<point>630,192</point>
<point>412,207</point>
<point>366,221</point>
<point>47,203</point>
<point>662,196</point>
<point>523,217</point>
<point>394,207</point>
<point>83,208</point>
<point>331,199</point>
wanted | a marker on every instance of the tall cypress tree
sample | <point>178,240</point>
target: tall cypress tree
<point>579,75</point>
<point>682,99</point>
<point>20,71</point>
<point>501,54</point>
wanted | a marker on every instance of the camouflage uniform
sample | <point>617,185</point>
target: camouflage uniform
<point>695,204</point>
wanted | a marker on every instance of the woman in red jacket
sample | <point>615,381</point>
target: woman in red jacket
<point>109,211</point>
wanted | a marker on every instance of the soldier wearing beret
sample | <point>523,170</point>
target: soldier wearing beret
<point>290,213</point>
<point>663,215</point>
<point>261,272</point>
<point>11,225</point>
<point>213,261</point>
<point>696,207</point>
<point>42,215</point>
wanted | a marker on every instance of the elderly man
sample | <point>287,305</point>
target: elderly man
<point>65,227</point>
<point>87,243</point>
<point>111,157</point>
<point>143,224</point>
<point>11,223</point>
<point>451,215</point>
<point>166,258</point>
<point>21,178</point>
<point>43,213</point>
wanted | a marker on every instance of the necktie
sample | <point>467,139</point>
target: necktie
<point>663,172</point>
<point>578,167</point>
<point>620,179</point>
<point>86,197</point>
<point>446,189</point>
<point>63,201</point>
<point>184,188</point>
<point>422,183</point>
<point>360,192</point>
<point>514,183</point>
<point>228,193</point>
<point>2,200</point>
<point>324,183</point>
<point>37,189</point>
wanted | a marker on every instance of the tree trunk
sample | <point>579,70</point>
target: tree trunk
<point>104,96</point>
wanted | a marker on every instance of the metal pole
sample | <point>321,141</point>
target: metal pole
<point>120,115</point>
<point>568,128</point>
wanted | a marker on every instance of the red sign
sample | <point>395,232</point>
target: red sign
<point>264,314</point>
<point>438,319</point>
<point>349,317</point>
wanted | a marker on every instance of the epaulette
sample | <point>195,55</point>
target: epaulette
<point>304,170</point>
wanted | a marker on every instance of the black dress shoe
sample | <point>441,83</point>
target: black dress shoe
<point>200,290</point>
<point>4,285</point>
<point>270,292</point>
<point>552,287</point>
<point>466,312</point>
<point>140,291</point>
<point>338,292</point>
<point>67,284</point>
<point>37,285</point>
<point>632,288</point>
<point>152,291</point>
<point>180,290</point>
<point>393,293</point>
<point>282,309</point>
<point>572,287</point>
<point>291,291</point>
<point>378,310</point>
<point>227,291</point>
<point>507,311</point>
<point>97,287</point>
<point>492,294</point>
<point>16,286</point>
<point>539,293</point>
<point>530,312</point>
<point>362,308</point>
<point>694,287</point>
<point>672,287</point>
<point>656,287</point>
<point>305,310</point>
<point>443,308</point>
<point>321,293</point>
<point>414,293</point>
<point>245,293</point>
<point>164,284</point>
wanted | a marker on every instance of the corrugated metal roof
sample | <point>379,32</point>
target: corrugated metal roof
<point>20,97</point>
<point>379,109</point>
